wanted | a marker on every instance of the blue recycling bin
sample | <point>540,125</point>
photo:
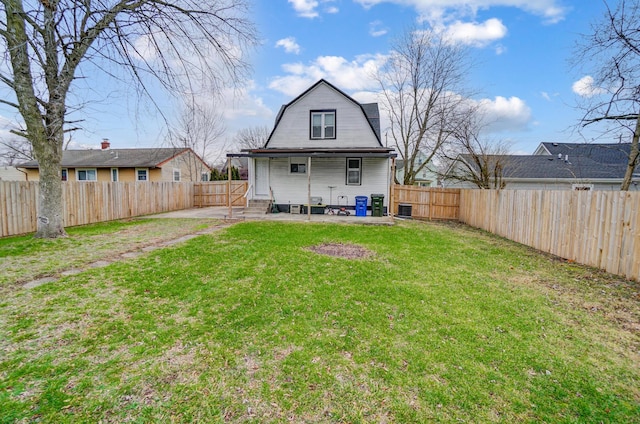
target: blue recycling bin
<point>361,205</point>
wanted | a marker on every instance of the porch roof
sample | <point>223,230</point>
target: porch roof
<point>375,152</point>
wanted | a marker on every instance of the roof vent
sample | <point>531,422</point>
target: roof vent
<point>559,155</point>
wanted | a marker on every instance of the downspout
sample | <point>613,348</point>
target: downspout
<point>309,188</point>
<point>229,187</point>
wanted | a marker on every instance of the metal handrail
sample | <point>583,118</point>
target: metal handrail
<point>249,189</point>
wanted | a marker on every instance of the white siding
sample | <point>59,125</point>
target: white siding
<point>352,127</point>
<point>292,188</point>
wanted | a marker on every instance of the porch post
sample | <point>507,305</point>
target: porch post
<point>229,187</point>
<point>392,186</point>
<point>309,188</point>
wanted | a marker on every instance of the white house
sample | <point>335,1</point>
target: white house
<point>324,149</point>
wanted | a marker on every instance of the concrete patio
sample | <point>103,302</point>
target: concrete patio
<point>239,214</point>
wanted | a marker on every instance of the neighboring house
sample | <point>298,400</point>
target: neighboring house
<point>561,166</point>
<point>324,145</point>
<point>11,173</point>
<point>426,177</point>
<point>152,164</point>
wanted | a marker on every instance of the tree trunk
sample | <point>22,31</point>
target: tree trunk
<point>634,155</point>
<point>50,204</point>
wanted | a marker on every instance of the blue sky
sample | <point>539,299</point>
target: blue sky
<point>521,49</point>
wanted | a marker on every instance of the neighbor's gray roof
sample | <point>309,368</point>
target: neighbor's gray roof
<point>114,158</point>
<point>610,153</point>
<point>549,166</point>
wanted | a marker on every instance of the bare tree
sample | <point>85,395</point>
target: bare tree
<point>15,150</point>
<point>199,128</point>
<point>252,137</point>
<point>180,43</point>
<point>421,85</point>
<point>613,49</point>
<point>472,157</point>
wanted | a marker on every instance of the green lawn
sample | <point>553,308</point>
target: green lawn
<point>440,323</point>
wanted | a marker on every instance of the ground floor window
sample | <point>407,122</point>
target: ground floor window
<point>298,165</point>
<point>114,174</point>
<point>142,174</point>
<point>65,174</point>
<point>354,171</point>
<point>87,174</point>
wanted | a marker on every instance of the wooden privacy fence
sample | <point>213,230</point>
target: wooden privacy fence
<point>90,202</point>
<point>595,228</point>
<point>215,193</point>
<point>428,203</point>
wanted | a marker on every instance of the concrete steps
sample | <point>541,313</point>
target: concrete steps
<point>257,208</point>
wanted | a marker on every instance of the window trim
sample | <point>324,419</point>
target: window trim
<point>173,175</point>
<point>350,169</point>
<point>323,113</point>
<point>116,174</point>
<point>95,173</point>
<point>297,161</point>
<point>146,171</point>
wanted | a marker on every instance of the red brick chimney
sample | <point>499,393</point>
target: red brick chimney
<point>105,144</point>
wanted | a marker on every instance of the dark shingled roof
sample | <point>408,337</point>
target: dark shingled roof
<point>114,158</point>
<point>576,161</point>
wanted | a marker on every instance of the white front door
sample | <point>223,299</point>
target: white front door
<point>262,177</point>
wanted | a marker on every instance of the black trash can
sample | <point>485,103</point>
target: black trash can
<point>404,210</point>
<point>377,204</point>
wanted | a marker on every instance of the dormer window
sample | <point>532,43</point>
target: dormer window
<point>323,124</point>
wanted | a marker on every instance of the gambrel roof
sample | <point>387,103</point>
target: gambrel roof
<point>370,110</point>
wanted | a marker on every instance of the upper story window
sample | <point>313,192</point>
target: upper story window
<point>64,174</point>
<point>177,175</point>
<point>323,124</point>
<point>114,174</point>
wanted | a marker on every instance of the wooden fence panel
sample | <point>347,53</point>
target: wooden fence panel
<point>90,202</point>
<point>214,193</point>
<point>595,228</point>
<point>428,203</point>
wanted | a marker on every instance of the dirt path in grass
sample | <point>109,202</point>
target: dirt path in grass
<point>78,253</point>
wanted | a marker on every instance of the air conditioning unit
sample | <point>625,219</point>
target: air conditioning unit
<point>295,209</point>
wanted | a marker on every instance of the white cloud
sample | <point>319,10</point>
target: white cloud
<point>289,44</point>
<point>475,34</point>
<point>505,114</point>
<point>436,10</point>
<point>376,29</point>
<point>305,8</point>
<point>585,87</point>
<point>347,75</point>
